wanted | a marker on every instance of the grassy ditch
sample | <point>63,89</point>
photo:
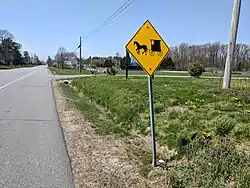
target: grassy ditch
<point>194,117</point>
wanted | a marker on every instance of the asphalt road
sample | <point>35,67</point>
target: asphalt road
<point>32,148</point>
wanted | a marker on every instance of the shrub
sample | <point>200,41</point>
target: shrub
<point>112,71</point>
<point>195,69</point>
<point>224,125</point>
<point>159,107</point>
<point>92,72</point>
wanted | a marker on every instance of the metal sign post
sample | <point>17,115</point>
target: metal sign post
<point>149,50</point>
<point>152,126</point>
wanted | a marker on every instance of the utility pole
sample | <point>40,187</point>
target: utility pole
<point>61,60</point>
<point>232,44</point>
<point>80,46</point>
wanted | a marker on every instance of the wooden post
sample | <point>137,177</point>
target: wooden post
<point>232,44</point>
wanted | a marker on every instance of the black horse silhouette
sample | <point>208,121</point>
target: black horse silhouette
<point>139,47</point>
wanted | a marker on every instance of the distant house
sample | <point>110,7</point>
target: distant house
<point>133,63</point>
<point>74,62</point>
<point>71,63</point>
<point>54,63</point>
<point>68,63</point>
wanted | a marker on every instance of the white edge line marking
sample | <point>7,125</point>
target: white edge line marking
<point>12,82</point>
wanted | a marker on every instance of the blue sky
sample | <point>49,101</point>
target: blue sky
<point>42,26</point>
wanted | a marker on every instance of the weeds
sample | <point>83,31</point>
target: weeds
<point>124,101</point>
<point>216,165</point>
<point>223,125</point>
<point>97,115</point>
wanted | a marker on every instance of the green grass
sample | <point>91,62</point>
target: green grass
<point>72,71</point>
<point>93,112</point>
<point>195,117</point>
<point>176,73</point>
<point>5,67</point>
<point>67,71</point>
<point>141,72</point>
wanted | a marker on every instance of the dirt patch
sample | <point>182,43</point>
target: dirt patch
<point>101,161</point>
<point>176,108</point>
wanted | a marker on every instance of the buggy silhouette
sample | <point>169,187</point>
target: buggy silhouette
<point>155,47</point>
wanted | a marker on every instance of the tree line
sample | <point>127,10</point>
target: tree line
<point>11,54</point>
<point>61,58</point>
<point>211,55</point>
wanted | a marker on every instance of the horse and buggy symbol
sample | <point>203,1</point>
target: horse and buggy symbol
<point>155,47</point>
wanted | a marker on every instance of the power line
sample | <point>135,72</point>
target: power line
<point>76,48</point>
<point>116,13</point>
<point>120,14</point>
<point>111,18</point>
<point>126,4</point>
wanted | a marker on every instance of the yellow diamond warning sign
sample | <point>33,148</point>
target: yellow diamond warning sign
<point>148,48</point>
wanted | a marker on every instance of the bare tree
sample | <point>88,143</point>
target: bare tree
<point>5,34</point>
<point>60,56</point>
<point>211,55</point>
<point>241,52</point>
<point>63,55</point>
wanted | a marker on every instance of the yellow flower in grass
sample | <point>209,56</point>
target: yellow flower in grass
<point>234,99</point>
<point>239,104</point>
<point>206,135</point>
<point>194,106</point>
